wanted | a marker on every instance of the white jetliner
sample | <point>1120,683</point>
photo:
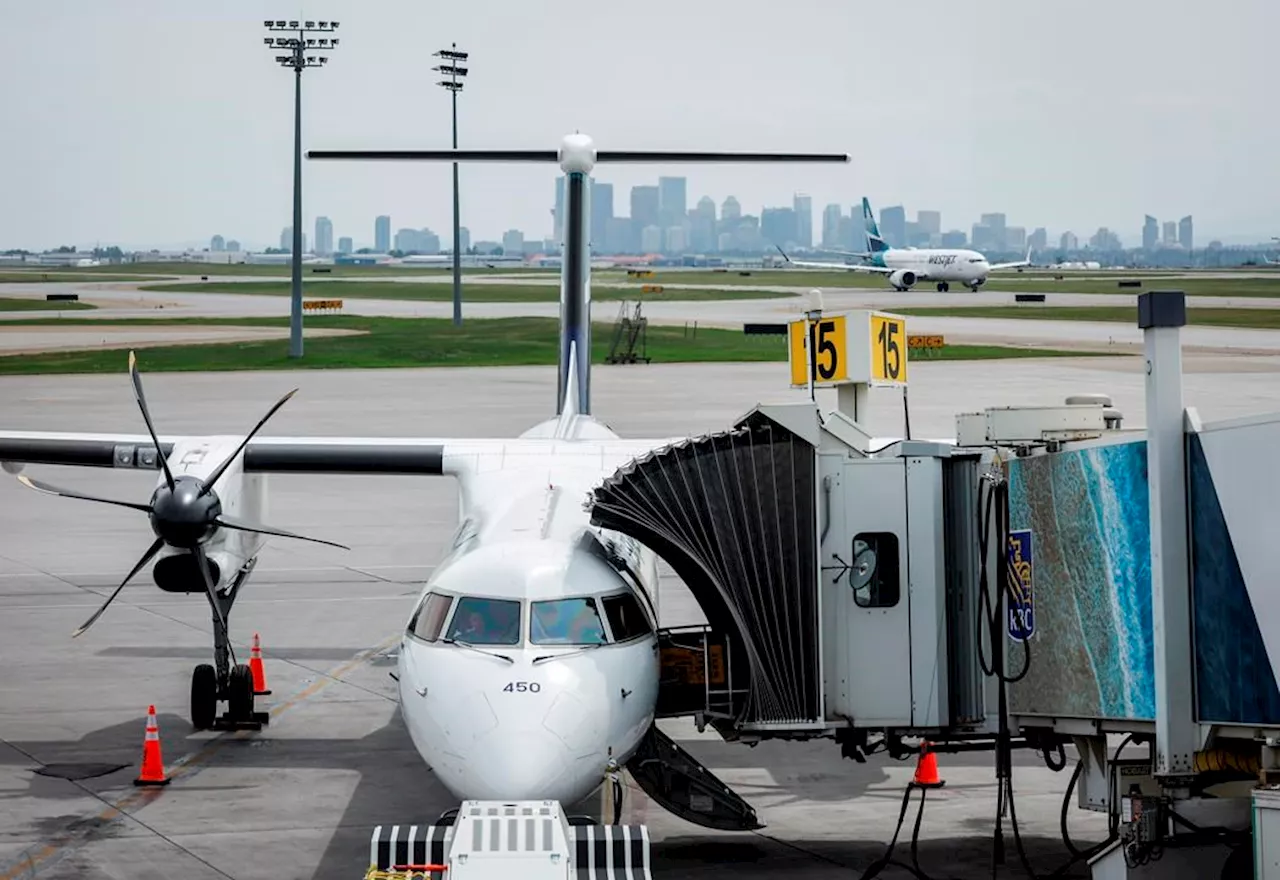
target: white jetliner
<point>903,268</point>
<point>529,665</point>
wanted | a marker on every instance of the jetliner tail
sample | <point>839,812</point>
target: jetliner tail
<point>577,156</point>
<point>875,243</point>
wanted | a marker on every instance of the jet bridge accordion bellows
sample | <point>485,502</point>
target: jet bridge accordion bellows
<point>734,514</point>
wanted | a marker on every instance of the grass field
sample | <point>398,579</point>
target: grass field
<point>442,291</point>
<point>1256,318</point>
<point>23,304</point>
<point>429,342</point>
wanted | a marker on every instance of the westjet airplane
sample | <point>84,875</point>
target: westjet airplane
<point>904,267</point>
<point>529,665</point>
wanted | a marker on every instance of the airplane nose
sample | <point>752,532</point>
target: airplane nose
<point>527,764</point>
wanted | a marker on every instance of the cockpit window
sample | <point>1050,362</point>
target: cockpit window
<point>566,622</point>
<point>428,620</point>
<point>626,618</point>
<point>486,621</point>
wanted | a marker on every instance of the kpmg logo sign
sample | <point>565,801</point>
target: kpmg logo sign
<point>1022,605</point>
<point>942,259</point>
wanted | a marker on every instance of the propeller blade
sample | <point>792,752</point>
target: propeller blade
<point>54,490</point>
<point>146,557</point>
<point>241,525</point>
<point>146,417</point>
<point>202,562</point>
<point>213,478</point>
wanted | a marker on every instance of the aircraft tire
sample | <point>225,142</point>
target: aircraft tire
<point>240,693</point>
<point>204,696</point>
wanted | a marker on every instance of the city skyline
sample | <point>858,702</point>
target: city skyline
<point>205,148</point>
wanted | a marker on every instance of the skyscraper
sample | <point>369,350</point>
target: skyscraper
<point>1150,233</point>
<point>803,206</point>
<point>1170,233</point>
<point>1185,232</point>
<point>672,200</point>
<point>831,216</point>
<point>929,225</point>
<point>893,225</point>
<point>324,237</point>
<point>345,245</point>
<point>644,209</point>
<point>217,243</point>
<point>601,213</point>
<point>382,234</point>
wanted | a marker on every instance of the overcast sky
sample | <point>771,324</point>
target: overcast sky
<point>153,122</point>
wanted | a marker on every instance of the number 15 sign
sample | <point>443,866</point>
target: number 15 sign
<point>868,348</point>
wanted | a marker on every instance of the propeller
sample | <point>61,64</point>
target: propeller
<point>185,511</point>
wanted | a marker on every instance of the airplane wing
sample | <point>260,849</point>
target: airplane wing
<point>850,267</point>
<point>1024,262</point>
<point>316,455</point>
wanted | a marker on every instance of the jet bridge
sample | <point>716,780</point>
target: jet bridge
<point>1045,578</point>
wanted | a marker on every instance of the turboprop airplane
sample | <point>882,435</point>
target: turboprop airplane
<point>528,668</point>
<point>903,268</point>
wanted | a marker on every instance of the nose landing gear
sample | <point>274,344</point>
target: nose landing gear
<point>943,287</point>
<point>224,679</point>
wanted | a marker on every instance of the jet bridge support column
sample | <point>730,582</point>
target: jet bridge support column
<point>1161,315</point>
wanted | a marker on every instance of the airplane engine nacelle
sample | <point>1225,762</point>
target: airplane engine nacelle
<point>902,279</point>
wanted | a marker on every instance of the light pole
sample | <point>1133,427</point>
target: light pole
<point>301,49</point>
<point>451,57</point>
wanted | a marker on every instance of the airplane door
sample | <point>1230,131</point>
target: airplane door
<point>866,612</point>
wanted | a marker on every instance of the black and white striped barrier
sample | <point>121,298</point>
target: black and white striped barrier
<point>527,846</point>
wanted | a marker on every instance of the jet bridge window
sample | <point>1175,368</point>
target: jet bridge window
<point>428,620</point>
<point>566,622</point>
<point>874,573</point>
<point>626,618</point>
<point>479,621</point>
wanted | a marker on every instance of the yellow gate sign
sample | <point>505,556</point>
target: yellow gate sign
<point>926,342</point>
<point>888,349</point>
<point>829,337</point>
<point>864,347</point>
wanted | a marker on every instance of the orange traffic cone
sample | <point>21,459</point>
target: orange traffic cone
<point>255,666</point>
<point>927,769</point>
<point>152,762</point>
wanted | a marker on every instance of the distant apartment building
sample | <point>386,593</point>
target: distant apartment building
<point>802,205</point>
<point>1170,234</point>
<point>1150,233</point>
<point>1185,232</point>
<point>1069,242</point>
<point>382,234</point>
<point>344,245</point>
<point>513,242</point>
<point>217,243</point>
<point>893,225</point>
<point>324,237</point>
<point>831,217</point>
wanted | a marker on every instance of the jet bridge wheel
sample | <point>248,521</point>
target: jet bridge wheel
<point>204,696</point>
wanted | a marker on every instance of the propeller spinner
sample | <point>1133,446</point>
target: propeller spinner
<point>185,511</point>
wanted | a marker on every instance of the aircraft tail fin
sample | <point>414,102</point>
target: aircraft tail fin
<point>875,242</point>
<point>577,156</point>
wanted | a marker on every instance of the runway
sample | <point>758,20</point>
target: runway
<point>299,799</point>
<point>124,301</point>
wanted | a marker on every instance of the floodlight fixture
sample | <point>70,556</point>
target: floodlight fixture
<point>300,55</point>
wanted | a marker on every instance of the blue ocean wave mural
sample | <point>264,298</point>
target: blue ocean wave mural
<point>1092,651</point>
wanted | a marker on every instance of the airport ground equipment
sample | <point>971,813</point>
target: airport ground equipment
<point>492,840</point>
<point>1045,578</point>
<point>630,332</point>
